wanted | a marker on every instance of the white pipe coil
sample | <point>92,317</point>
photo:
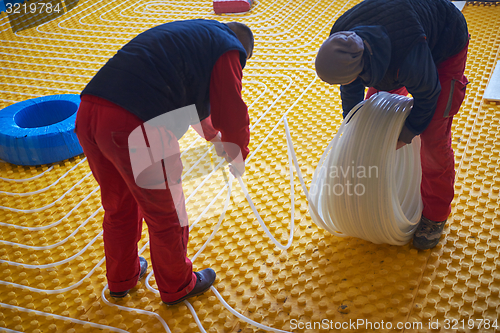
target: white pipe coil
<point>363,187</point>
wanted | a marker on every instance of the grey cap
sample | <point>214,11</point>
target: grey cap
<point>340,58</point>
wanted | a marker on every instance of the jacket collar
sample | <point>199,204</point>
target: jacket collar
<point>377,50</point>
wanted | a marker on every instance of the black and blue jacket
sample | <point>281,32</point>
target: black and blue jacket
<point>166,68</point>
<point>404,42</point>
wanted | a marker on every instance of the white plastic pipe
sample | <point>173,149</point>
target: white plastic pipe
<point>363,187</point>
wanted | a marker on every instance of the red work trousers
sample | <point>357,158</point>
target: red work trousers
<point>437,158</point>
<point>103,129</point>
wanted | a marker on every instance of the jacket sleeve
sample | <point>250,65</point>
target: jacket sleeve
<point>229,113</point>
<point>419,75</point>
<point>351,95</point>
<point>206,129</point>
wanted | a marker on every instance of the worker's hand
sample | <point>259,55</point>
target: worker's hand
<point>237,169</point>
<point>219,146</point>
<point>236,166</point>
<point>400,144</point>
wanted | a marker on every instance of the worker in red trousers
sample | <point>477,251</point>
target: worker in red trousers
<point>401,46</point>
<point>174,66</point>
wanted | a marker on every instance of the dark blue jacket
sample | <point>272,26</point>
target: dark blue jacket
<point>404,42</point>
<point>166,68</point>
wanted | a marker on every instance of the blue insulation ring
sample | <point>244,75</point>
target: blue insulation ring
<point>40,130</point>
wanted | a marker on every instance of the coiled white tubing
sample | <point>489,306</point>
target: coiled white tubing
<point>363,187</point>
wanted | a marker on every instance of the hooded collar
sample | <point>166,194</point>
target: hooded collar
<point>378,49</point>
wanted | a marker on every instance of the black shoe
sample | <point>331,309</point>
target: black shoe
<point>144,267</point>
<point>427,234</point>
<point>204,280</point>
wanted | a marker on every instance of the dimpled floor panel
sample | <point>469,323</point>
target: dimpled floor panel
<point>52,264</point>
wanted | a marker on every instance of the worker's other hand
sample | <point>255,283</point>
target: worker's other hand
<point>236,165</point>
<point>400,144</point>
<point>237,169</point>
<point>219,146</point>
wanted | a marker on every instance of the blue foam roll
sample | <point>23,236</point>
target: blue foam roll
<point>40,130</point>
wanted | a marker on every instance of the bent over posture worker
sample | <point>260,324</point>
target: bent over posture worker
<point>401,46</point>
<point>165,68</point>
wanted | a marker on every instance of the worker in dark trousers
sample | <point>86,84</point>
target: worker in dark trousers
<point>174,66</point>
<point>407,46</point>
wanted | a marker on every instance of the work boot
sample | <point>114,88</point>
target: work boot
<point>427,234</point>
<point>144,266</point>
<point>204,280</point>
